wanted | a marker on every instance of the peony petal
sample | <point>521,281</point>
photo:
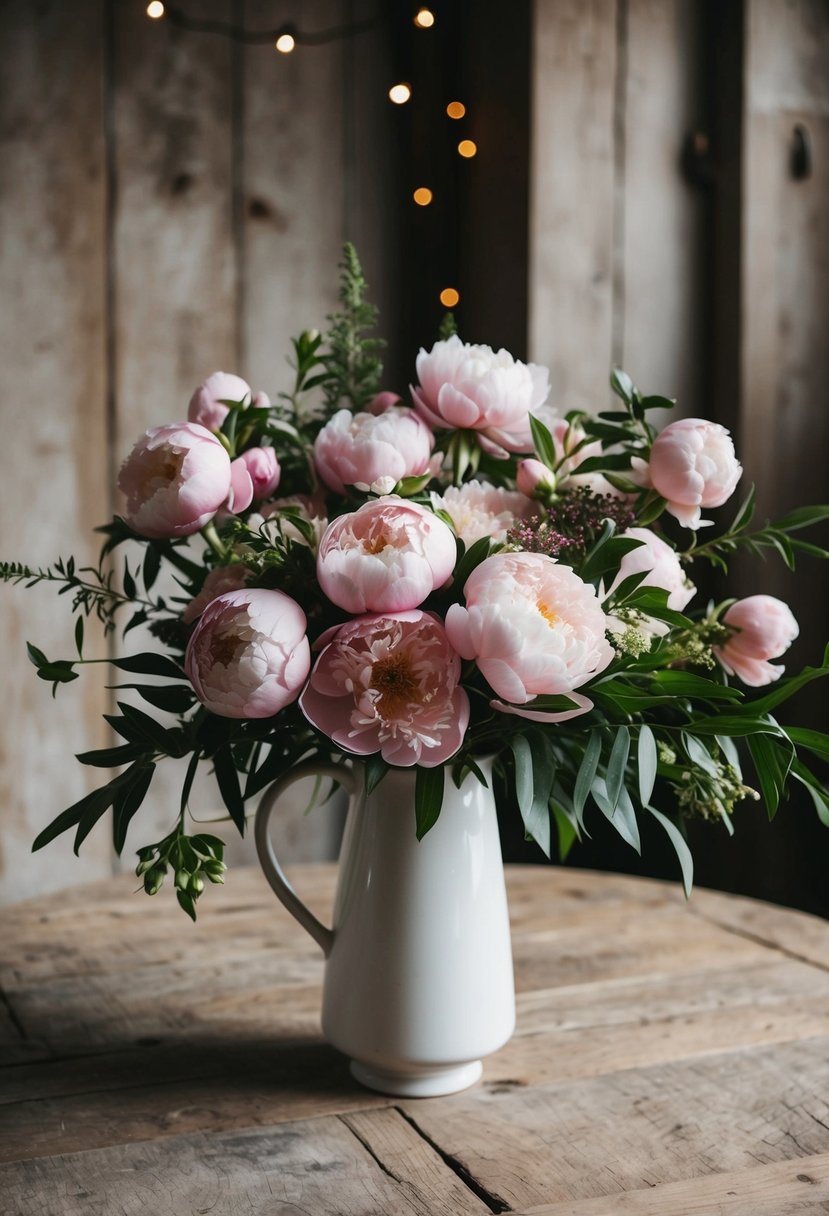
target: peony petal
<point>584,705</point>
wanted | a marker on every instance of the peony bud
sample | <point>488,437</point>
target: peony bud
<point>206,403</point>
<point>535,480</point>
<point>765,629</point>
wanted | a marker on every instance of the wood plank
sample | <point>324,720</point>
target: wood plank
<point>659,313</point>
<point>325,1166</point>
<point>572,159</point>
<point>783,929</point>
<point>637,1128</point>
<point>782,1189</point>
<point>54,471</point>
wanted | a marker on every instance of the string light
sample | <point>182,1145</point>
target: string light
<point>423,196</point>
<point>424,18</point>
<point>456,109</point>
<point>467,148</point>
<point>400,93</point>
<point>155,9</point>
<point>449,297</point>
<point>285,43</point>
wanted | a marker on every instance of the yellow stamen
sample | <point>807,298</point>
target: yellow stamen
<point>546,611</point>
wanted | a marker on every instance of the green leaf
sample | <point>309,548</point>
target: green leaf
<point>622,385</point>
<point>813,740</point>
<point>772,762</point>
<point>152,564</point>
<point>586,773</point>
<point>227,780</point>
<point>647,762</point>
<point>543,442</point>
<point>622,816</point>
<point>189,778</point>
<point>428,798</point>
<point>699,754</point>
<point>535,770</point>
<point>654,402</point>
<point>733,725</point>
<point>187,902</point>
<point>786,688</point>
<point>617,766</point>
<point>79,636</point>
<point>803,517</point>
<point>745,514</point>
<point>686,684</point>
<point>686,861</point>
<point>111,757</point>
<point>566,829</point>
<point>474,555</point>
<point>375,770</point>
<point>128,801</point>
<point>817,793</point>
<point>150,664</point>
<point>36,656</point>
<point>175,700</point>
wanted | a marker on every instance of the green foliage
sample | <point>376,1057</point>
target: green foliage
<point>192,861</point>
<point>351,360</point>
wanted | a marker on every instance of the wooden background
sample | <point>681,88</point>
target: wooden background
<point>173,203</point>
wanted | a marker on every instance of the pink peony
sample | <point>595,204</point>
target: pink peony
<point>174,480</point>
<point>385,557</point>
<point>383,401</point>
<point>765,629</point>
<point>389,684</point>
<point>663,569</point>
<point>363,448</point>
<point>219,580</point>
<point>263,468</point>
<point>206,403</point>
<point>692,465</point>
<point>248,656</point>
<point>535,480</point>
<point>534,628</point>
<point>480,510</point>
<point>472,387</point>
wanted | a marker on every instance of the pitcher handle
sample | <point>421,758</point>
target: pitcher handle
<point>274,873</point>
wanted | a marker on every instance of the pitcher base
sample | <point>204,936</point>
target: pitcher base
<point>430,1083</point>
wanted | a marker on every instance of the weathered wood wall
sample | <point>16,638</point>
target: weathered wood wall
<point>671,234</point>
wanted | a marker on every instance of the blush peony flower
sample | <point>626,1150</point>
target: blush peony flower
<point>766,628</point>
<point>174,480</point>
<point>263,468</point>
<point>480,510</point>
<point>692,465</point>
<point>206,403</point>
<point>475,388</point>
<point>219,580</point>
<point>364,448</point>
<point>535,480</point>
<point>663,569</point>
<point>389,684</point>
<point>534,628</point>
<point>385,557</point>
<point>248,656</point>
<point>383,401</point>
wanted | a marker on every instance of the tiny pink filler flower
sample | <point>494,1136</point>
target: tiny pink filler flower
<point>534,628</point>
<point>476,388</point>
<point>248,656</point>
<point>174,480</point>
<point>692,465</point>
<point>385,557</point>
<point>363,448</point>
<point>389,684</point>
<point>765,628</point>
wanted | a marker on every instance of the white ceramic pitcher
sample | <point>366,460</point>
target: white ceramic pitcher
<point>418,977</point>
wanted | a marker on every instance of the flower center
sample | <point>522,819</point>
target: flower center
<point>396,682</point>
<point>225,648</point>
<point>546,611</point>
<point>375,544</point>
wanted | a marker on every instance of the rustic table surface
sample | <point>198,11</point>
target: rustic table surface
<point>669,1060</point>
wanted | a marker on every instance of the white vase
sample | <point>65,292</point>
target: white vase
<point>418,976</point>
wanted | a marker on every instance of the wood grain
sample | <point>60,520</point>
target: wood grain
<point>665,1053</point>
<point>571,243</point>
<point>54,457</point>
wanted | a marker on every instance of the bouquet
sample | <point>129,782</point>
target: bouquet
<point>424,582</point>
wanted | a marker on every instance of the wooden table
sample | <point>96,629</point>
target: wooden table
<point>669,1060</point>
